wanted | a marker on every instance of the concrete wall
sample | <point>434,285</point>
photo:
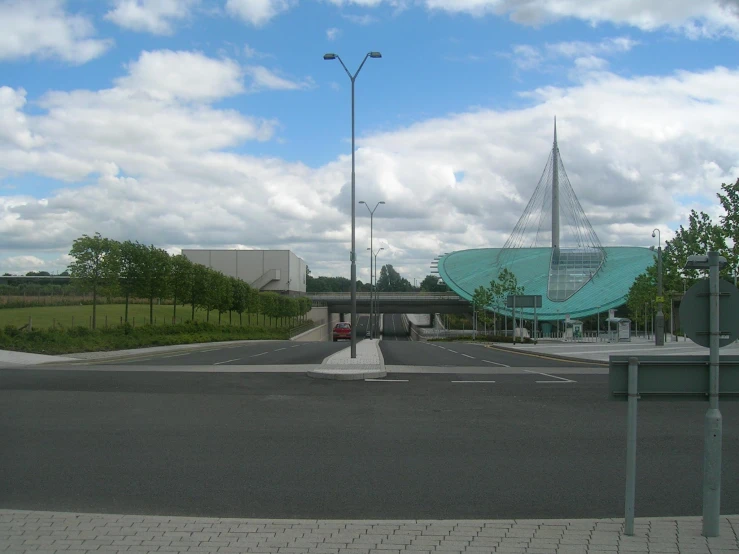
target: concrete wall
<point>323,331</point>
<point>250,265</point>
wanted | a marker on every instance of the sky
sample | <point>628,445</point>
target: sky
<point>218,124</point>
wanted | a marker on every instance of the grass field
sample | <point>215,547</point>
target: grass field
<point>112,314</point>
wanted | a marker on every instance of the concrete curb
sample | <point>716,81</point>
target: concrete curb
<point>342,374</point>
<point>535,353</point>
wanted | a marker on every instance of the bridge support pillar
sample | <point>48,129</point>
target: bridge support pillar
<point>341,317</point>
<point>431,320</point>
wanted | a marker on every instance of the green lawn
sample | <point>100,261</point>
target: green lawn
<point>138,314</point>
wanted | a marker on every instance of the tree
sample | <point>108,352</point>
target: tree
<point>130,265</point>
<point>391,281</point>
<point>430,283</point>
<point>95,266</point>
<point>482,299</point>
<point>198,287</point>
<point>225,297</point>
<point>730,220</point>
<point>506,285</point>
<point>180,277</point>
<point>240,297</point>
<point>153,275</point>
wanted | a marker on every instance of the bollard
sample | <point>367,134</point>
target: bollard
<point>631,445</point>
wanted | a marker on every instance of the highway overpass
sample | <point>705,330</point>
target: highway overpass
<point>394,302</point>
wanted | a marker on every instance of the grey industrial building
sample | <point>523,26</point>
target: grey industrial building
<point>266,270</point>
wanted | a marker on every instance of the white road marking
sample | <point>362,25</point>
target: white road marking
<point>559,379</point>
<point>262,354</point>
<point>227,361</point>
<point>296,346</point>
<point>468,356</point>
<point>452,351</point>
<point>278,349</point>
<point>473,381</point>
<point>387,380</point>
<point>495,363</point>
<point>210,350</point>
<point>175,355</point>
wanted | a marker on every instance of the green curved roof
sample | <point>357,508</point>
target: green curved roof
<point>466,270</point>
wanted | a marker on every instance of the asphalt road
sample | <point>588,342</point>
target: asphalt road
<point>393,329</point>
<point>287,446</point>
<point>254,353</point>
<point>458,354</point>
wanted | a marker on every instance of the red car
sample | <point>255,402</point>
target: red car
<point>342,330</point>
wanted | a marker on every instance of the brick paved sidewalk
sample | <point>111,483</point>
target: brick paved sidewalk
<point>24,531</point>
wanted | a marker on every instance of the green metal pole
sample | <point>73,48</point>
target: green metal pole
<point>712,430</point>
<point>631,445</point>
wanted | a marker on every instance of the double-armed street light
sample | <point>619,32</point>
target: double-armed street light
<point>352,254</point>
<point>373,332</point>
<point>372,214</point>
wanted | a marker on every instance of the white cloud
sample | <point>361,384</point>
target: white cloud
<point>165,74</point>
<point>263,78</point>
<point>587,54</point>
<point>695,19</point>
<point>333,33</point>
<point>43,29</point>
<point>22,264</point>
<point>152,16</point>
<point>162,169</point>
<point>250,52</point>
<point>257,12</point>
<point>364,19</point>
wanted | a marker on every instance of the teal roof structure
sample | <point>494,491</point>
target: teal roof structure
<point>466,270</point>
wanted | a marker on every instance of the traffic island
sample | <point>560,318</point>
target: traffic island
<point>346,374</point>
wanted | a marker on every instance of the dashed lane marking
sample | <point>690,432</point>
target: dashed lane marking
<point>262,354</point>
<point>558,379</point>
<point>227,361</point>
<point>495,363</point>
<point>473,381</point>
<point>468,356</point>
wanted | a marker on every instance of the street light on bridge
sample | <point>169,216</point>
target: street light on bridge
<point>373,331</point>
<point>372,214</point>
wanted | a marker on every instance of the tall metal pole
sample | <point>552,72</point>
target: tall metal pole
<point>631,444</point>
<point>659,335</point>
<point>353,253</point>
<point>371,321</point>
<point>712,431</point>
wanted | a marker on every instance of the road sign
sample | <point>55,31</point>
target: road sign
<point>694,313</point>
<point>660,299</point>
<point>666,377</point>
<point>524,300</point>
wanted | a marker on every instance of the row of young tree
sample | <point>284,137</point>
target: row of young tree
<point>107,267</point>
<point>488,300</point>
<point>700,236</point>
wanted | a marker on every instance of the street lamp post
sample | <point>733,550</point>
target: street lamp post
<point>659,335</point>
<point>372,214</point>
<point>597,339</point>
<point>377,311</point>
<point>352,254</point>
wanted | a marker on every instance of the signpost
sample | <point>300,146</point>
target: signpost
<point>710,316</point>
<point>524,301</point>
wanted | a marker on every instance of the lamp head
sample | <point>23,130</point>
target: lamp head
<point>362,202</point>
<point>381,202</point>
<point>329,56</point>
<point>653,235</point>
<point>375,55</point>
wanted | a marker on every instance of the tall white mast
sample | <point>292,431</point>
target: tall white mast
<point>555,190</point>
